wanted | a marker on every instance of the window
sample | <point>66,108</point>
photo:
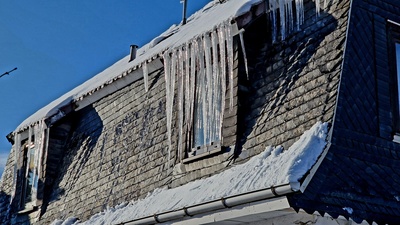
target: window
<point>204,70</point>
<point>394,62</point>
<point>207,114</point>
<point>29,179</point>
<point>209,95</point>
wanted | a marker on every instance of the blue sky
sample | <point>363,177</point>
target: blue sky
<point>57,45</point>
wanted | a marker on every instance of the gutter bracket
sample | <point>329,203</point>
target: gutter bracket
<point>156,218</point>
<point>186,212</point>
<point>223,201</point>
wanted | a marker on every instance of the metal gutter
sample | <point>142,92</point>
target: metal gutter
<point>223,203</point>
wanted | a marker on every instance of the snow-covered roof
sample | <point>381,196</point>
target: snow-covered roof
<point>273,167</point>
<point>213,14</point>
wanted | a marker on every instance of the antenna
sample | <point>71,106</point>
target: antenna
<point>184,11</point>
<point>8,73</point>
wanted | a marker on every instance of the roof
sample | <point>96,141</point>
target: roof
<point>199,23</point>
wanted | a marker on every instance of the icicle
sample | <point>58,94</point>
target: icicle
<point>289,14</point>
<point>244,53</point>
<point>188,100</point>
<point>282,18</point>
<point>273,6</point>
<point>207,99</point>
<point>181,73</point>
<point>169,74</point>
<point>215,84</point>
<point>202,83</point>
<point>146,76</point>
<point>318,6</point>
<point>192,86</point>
<point>299,13</point>
<point>222,47</point>
<point>230,56</point>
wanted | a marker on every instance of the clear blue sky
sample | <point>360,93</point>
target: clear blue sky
<point>57,45</point>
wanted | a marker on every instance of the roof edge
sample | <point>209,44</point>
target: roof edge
<point>223,203</point>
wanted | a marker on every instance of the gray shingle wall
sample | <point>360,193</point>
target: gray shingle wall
<point>6,188</point>
<point>361,169</point>
<point>118,150</point>
<point>294,83</point>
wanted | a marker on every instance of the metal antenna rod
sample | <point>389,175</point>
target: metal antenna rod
<point>8,73</point>
<point>184,11</point>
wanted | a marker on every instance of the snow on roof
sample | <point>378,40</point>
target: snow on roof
<point>272,167</point>
<point>213,14</point>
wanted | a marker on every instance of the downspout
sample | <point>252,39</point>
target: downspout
<point>210,206</point>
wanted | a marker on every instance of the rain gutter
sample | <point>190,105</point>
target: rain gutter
<point>223,203</point>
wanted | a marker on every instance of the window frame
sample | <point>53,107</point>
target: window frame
<point>28,201</point>
<point>196,150</point>
<point>193,152</point>
<point>394,67</point>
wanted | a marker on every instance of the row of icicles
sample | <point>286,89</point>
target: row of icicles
<point>202,67</point>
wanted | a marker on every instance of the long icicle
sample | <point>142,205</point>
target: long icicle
<point>299,13</point>
<point>188,100</point>
<point>181,99</point>
<point>222,47</point>
<point>282,13</point>
<point>215,85</point>
<point>273,7</point>
<point>192,86</point>
<point>229,46</point>
<point>244,54</point>
<point>169,72</point>
<point>198,122</point>
<point>207,101</point>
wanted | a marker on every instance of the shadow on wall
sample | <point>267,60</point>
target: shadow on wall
<point>78,134</point>
<point>5,209</point>
<point>275,68</point>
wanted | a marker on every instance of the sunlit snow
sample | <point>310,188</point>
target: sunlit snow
<point>275,166</point>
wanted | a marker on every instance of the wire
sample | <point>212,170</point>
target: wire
<point>8,73</point>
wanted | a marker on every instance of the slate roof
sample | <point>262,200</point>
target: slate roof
<point>323,72</point>
<point>361,169</point>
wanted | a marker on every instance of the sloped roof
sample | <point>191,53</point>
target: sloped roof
<point>204,20</point>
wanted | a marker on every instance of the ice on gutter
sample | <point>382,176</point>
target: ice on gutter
<point>273,167</point>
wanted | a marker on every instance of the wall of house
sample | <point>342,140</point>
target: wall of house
<point>118,152</point>
<point>6,187</point>
<point>361,168</point>
<point>118,149</point>
<point>292,83</point>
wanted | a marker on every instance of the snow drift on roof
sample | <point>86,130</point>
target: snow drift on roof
<point>272,167</point>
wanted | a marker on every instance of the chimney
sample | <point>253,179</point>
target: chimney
<point>133,52</point>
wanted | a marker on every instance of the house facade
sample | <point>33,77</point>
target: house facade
<point>240,81</point>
